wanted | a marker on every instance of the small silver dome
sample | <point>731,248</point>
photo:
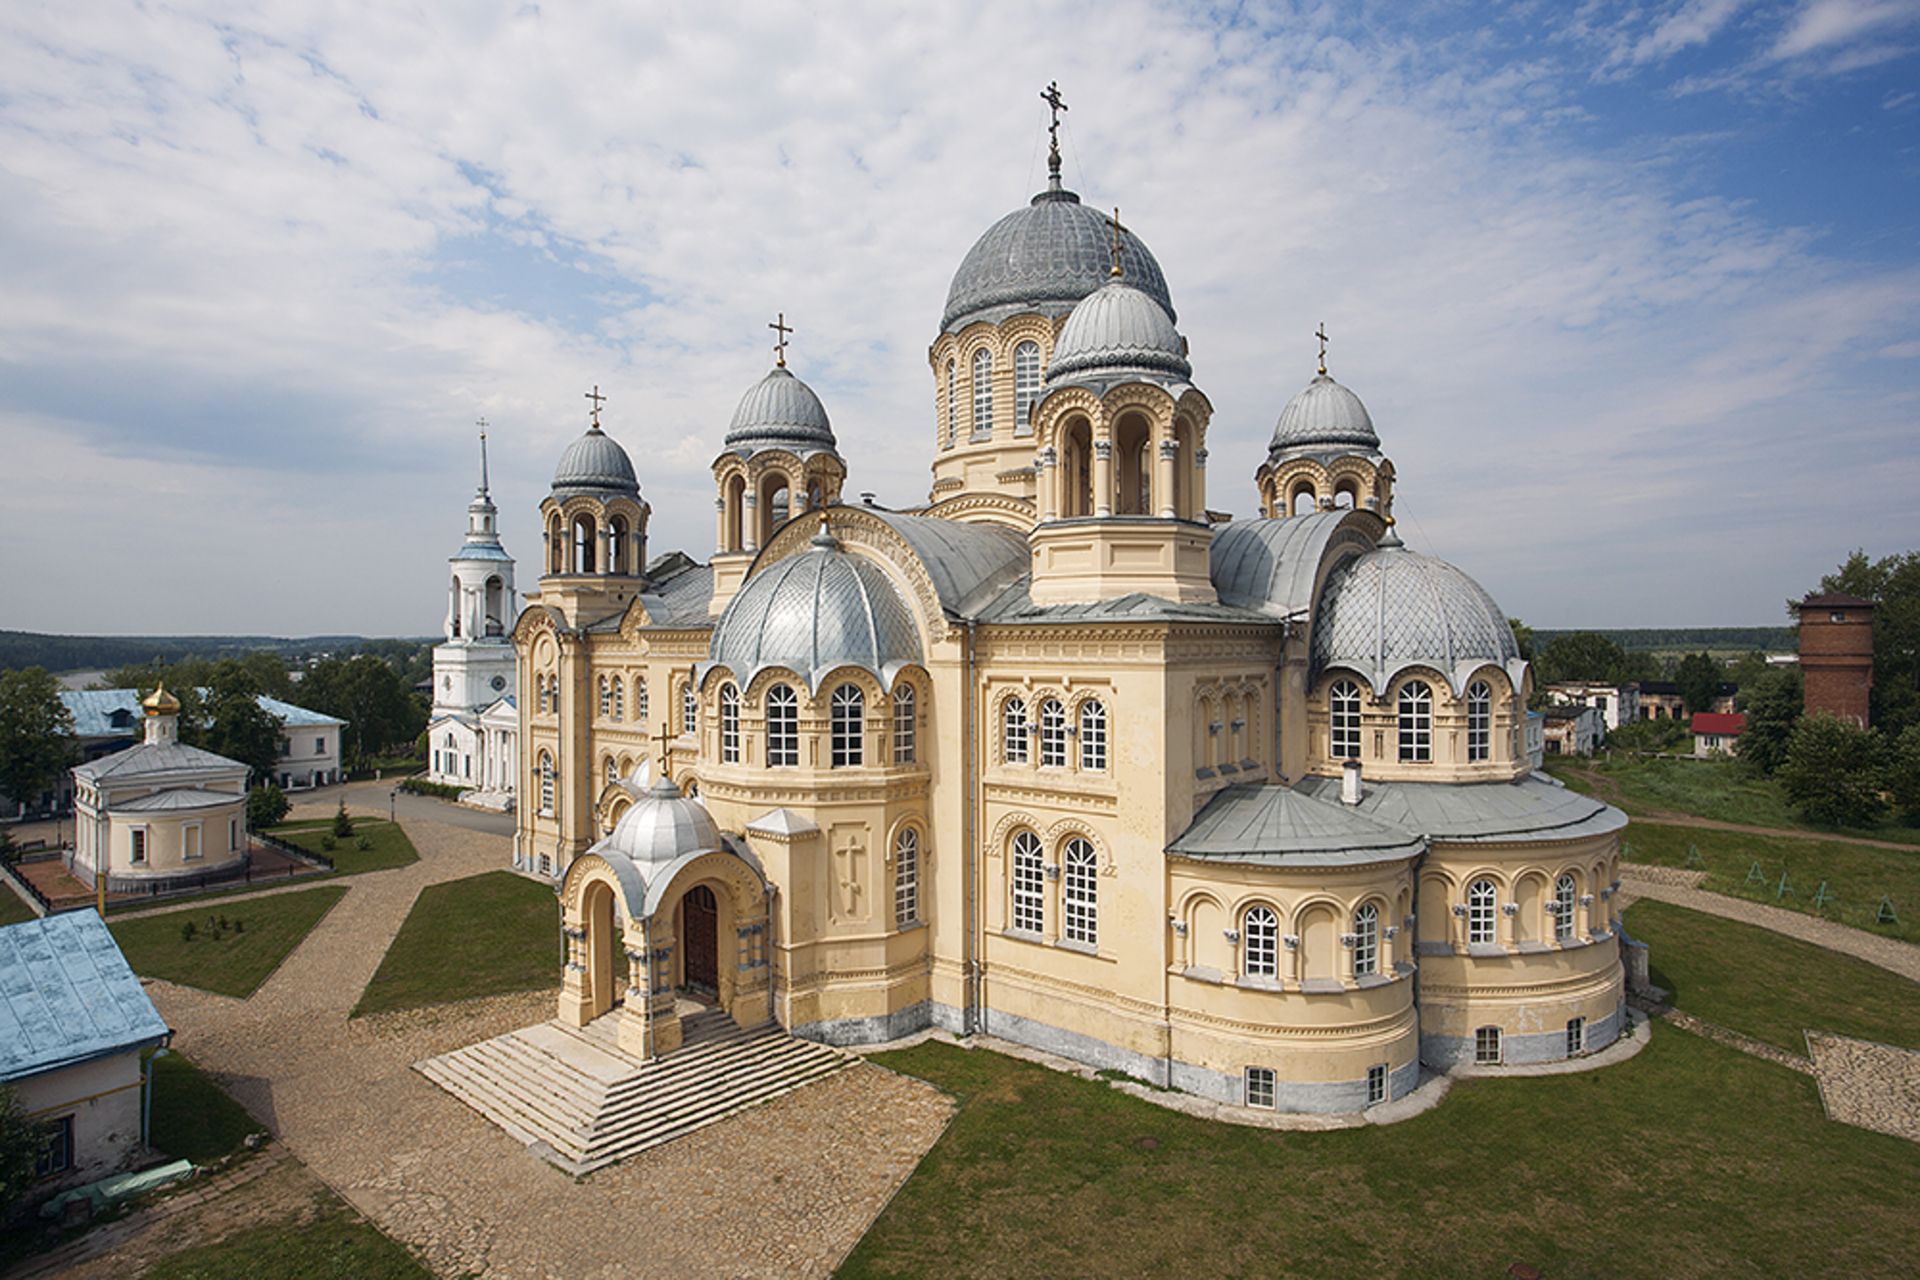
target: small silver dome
<point>1118,328</point>
<point>660,826</point>
<point>595,464</point>
<point>1391,608</point>
<point>815,611</point>
<point>1046,257</point>
<point>1325,413</point>
<point>780,411</point>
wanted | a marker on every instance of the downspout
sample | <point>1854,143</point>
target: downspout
<point>971,1020</point>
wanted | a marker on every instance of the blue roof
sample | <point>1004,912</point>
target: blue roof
<point>93,712</point>
<point>294,717</point>
<point>67,996</point>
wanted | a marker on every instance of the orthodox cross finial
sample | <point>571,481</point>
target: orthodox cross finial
<point>782,328</point>
<point>1117,229</point>
<point>1055,105</point>
<point>665,739</point>
<point>598,400</point>
<point>1321,333</point>
<point>482,424</point>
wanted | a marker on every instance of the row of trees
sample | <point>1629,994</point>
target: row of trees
<point>1588,655</point>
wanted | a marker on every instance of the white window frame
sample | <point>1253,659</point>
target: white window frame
<point>1576,1037</point>
<point>139,847</point>
<point>1260,942</point>
<point>1366,940</point>
<point>606,698</point>
<point>1026,386</point>
<point>1486,1046</point>
<point>1053,734</point>
<point>1483,898</point>
<point>619,698</point>
<point>906,724</point>
<point>953,402</point>
<point>689,709</point>
<point>1415,706</point>
<point>906,878</point>
<point>193,842</point>
<point>233,834</point>
<point>1080,892</point>
<point>729,724</point>
<point>1376,1084</point>
<point>640,700</point>
<point>1093,736</point>
<point>545,772</point>
<point>1015,731</point>
<point>1260,1088</point>
<point>1479,722</point>
<point>1343,716</point>
<point>1029,905</point>
<point>783,727</point>
<point>613,771</point>
<point>982,386</point>
<point>848,723</point>
<point>1566,894</point>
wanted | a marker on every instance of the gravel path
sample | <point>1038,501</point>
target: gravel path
<point>1890,954</point>
<point>1875,1086</point>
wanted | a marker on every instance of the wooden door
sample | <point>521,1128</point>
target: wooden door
<point>700,929</point>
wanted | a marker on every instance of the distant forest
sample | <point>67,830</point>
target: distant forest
<point>20,649</point>
<point>1690,639</point>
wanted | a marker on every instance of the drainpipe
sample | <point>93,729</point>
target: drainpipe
<point>146,1093</point>
<point>971,1020</point>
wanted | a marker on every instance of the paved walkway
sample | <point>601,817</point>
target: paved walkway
<point>784,1189</point>
<point>1890,954</point>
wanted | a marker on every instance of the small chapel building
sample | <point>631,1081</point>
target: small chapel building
<point>1063,754</point>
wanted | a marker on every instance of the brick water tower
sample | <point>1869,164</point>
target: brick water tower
<point>1836,654</point>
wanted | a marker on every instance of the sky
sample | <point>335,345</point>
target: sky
<point>1632,290</point>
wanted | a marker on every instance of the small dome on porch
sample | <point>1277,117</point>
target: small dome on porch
<point>660,826</point>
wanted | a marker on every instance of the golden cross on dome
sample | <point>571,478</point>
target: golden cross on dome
<point>598,400</point>
<point>665,739</point>
<point>782,328</point>
<point>1117,229</point>
<point>1321,333</point>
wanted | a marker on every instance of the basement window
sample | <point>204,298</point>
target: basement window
<point>1260,1087</point>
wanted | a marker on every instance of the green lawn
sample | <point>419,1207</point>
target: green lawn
<point>481,936</point>
<point>1688,1160</point>
<point>1858,874</point>
<point>193,1118</point>
<point>335,1244</point>
<point>389,846</point>
<point>1769,987</point>
<point>13,910</point>
<point>234,961</point>
<point>1719,789</point>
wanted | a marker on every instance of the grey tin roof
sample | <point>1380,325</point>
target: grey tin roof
<point>780,412</point>
<point>179,799</point>
<point>1324,413</point>
<point>595,464</point>
<point>1532,808</point>
<point>683,600</point>
<point>969,564</point>
<point>1273,564</point>
<point>67,996</point>
<point>1392,608</point>
<point>157,758</point>
<point>1118,327</point>
<point>1280,826</point>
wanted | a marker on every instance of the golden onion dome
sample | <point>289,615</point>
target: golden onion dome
<point>161,703</point>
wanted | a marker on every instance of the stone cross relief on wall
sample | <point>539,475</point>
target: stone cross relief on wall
<point>849,876</point>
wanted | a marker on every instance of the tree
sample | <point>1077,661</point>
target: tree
<point>1523,637</point>
<point>36,734</point>
<point>21,1142</point>
<point>1698,677</point>
<point>1834,772</point>
<point>380,711</point>
<point>1903,773</point>
<point>233,723</point>
<point>1581,655</point>
<point>1893,584</point>
<point>1772,705</point>
<point>266,805</point>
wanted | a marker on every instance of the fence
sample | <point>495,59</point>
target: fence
<point>294,851</point>
<point>25,886</point>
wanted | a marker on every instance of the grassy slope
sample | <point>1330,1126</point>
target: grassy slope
<point>484,935</point>
<point>1857,875</point>
<point>234,964</point>
<point>1769,987</point>
<point>391,847</point>
<point>1719,789</point>
<point>12,909</point>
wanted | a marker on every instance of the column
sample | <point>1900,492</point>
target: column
<point>1163,478</point>
<point>720,524</point>
<point>1047,460</point>
<point>750,522</point>
<point>1103,477</point>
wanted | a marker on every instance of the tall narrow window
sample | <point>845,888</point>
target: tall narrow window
<point>1082,895</point>
<point>1479,720</point>
<point>783,727</point>
<point>1564,895</point>
<point>729,724</point>
<point>1053,734</point>
<point>906,878</point>
<point>689,708</point>
<point>546,784</point>
<point>953,403</point>
<point>606,699</point>
<point>619,698</point>
<point>1093,736</point>
<point>613,771</point>
<point>1013,725</point>
<point>1376,1085</point>
<point>1026,386</point>
<point>849,727</point>
<point>906,737</point>
<point>982,394</point>
<point>1576,1036</point>
<point>1259,933</point>
<point>1480,901</point>
<point>640,699</point>
<point>1416,722</point>
<point>1366,940</point>
<point>1029,900</point>
<point>1343,703</point>
<point>139,844</point>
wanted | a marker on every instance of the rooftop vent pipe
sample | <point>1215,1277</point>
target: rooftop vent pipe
<point>1350,783</point>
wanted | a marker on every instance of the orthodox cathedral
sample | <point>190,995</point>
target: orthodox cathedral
<point>1065,755</point>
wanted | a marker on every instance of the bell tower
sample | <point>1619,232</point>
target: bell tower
<point>594,546</point>
<point>1324,454</point>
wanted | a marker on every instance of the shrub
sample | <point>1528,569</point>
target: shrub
<point>187,931</point>
<point>327,843</point>
<point>21,1140</point>
<point>1834,773</point>
<point>363,844</point>
<point>266,805</point>
<point>421,787</point>
<point>342,824</point>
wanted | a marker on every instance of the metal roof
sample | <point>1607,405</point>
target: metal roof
<point>1280,826</point>
<point>92,711</point>
<point>595,464</point>
<point>1531,808</point>
<point>968,563</point>
<point>1392,608</point>
<point>67,996</point>
<point>170,758</point>
<point>1324,413</point>
<point>1015,605</point>
<point>178,799</point>
<point>296,717</point>
<point>682,600</point>
<point>1118,327</point>
<point>1273,565</point>
<point>780,411</point>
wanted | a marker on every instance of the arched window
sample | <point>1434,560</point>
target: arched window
<point>612,771</point>
<point>783,727</point>
<point>953,403</point>
<point>1343,708</point>
<point>982,394</point>
<point>540,692</point>
<point>1565,894</point>
<point>1260,936</point>
<point>1366,940</point>
<point>1480,903</point>
<point>1093,736</point>
<point>848,726</point>
<point>729,724</point>
<point>546,784</point>
<point>583,540</point>
<point>640,699</point>
<point>556,546</point>
<point>1029,898</point>
<point>1081,898</point>
<point>689,708</point>
<point>1013,726</point>
<point>906,737</point>
<point>1053,734</point>
<point>906,878</point>
<point>1026,386</point>
<point>1479,720</point>
<point>617,538</point>
<point>619,698</point>
<point>606,699</point>
<point>1416,722</point>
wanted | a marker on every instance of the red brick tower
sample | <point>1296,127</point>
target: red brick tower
<point>1836,654</point>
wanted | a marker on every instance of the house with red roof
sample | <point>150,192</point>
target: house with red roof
<point>1717,733</point>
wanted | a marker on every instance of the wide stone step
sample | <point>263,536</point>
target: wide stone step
<point>481,1092</point>
<point>555,1076</point>
<point>620,1144</point>
<point>533,1092</point>
<point>749,1063</point>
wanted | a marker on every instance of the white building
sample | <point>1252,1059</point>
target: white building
<point>1617,704</point>
<point>309,746</point>
<point>473,670</point>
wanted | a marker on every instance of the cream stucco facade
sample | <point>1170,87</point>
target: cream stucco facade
<point>1062,755</point>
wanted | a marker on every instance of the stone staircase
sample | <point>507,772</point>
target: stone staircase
<point>576,1101</point>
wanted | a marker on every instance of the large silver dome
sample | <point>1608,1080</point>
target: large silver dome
<point>815,611</point>
<point>595,464</point>
<point>1390,609</point>
<point>780,412</point>
<point>1046,257</point>
<point>1325,413</point>
<point>1119,328</point>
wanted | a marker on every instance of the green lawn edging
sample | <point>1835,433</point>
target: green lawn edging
<point>485,935</point>
<point>230,960</point>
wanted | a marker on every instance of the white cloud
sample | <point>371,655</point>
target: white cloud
<point>1824,24</point>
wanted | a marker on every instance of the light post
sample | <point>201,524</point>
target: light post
<point>393,806</point>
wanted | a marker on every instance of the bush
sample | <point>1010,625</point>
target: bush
<point>21,1140</point>
<point>1649,735</point>
<point>328,843</point>
<point>1903,773</point>
<point>363,844</point>
<point>266,805</point>
<point>342,824</point>
<point>1834,772</point>
<point>421,787</point>
<point>187,931</point>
